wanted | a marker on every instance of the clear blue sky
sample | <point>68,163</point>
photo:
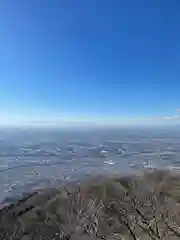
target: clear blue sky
<point>89,59</point>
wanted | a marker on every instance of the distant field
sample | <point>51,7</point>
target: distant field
<point>36,158</point>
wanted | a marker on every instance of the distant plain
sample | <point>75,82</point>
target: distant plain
<point>36,158</point>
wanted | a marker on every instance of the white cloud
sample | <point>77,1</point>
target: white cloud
<point>171,118</point>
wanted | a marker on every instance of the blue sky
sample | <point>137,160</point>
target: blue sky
<point>89,60</point>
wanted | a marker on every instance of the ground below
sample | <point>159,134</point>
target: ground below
<point>131,207</point>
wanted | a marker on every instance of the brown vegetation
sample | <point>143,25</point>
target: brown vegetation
<point>141,207</point>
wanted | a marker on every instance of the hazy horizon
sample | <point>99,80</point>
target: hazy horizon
<point>92,122</point>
